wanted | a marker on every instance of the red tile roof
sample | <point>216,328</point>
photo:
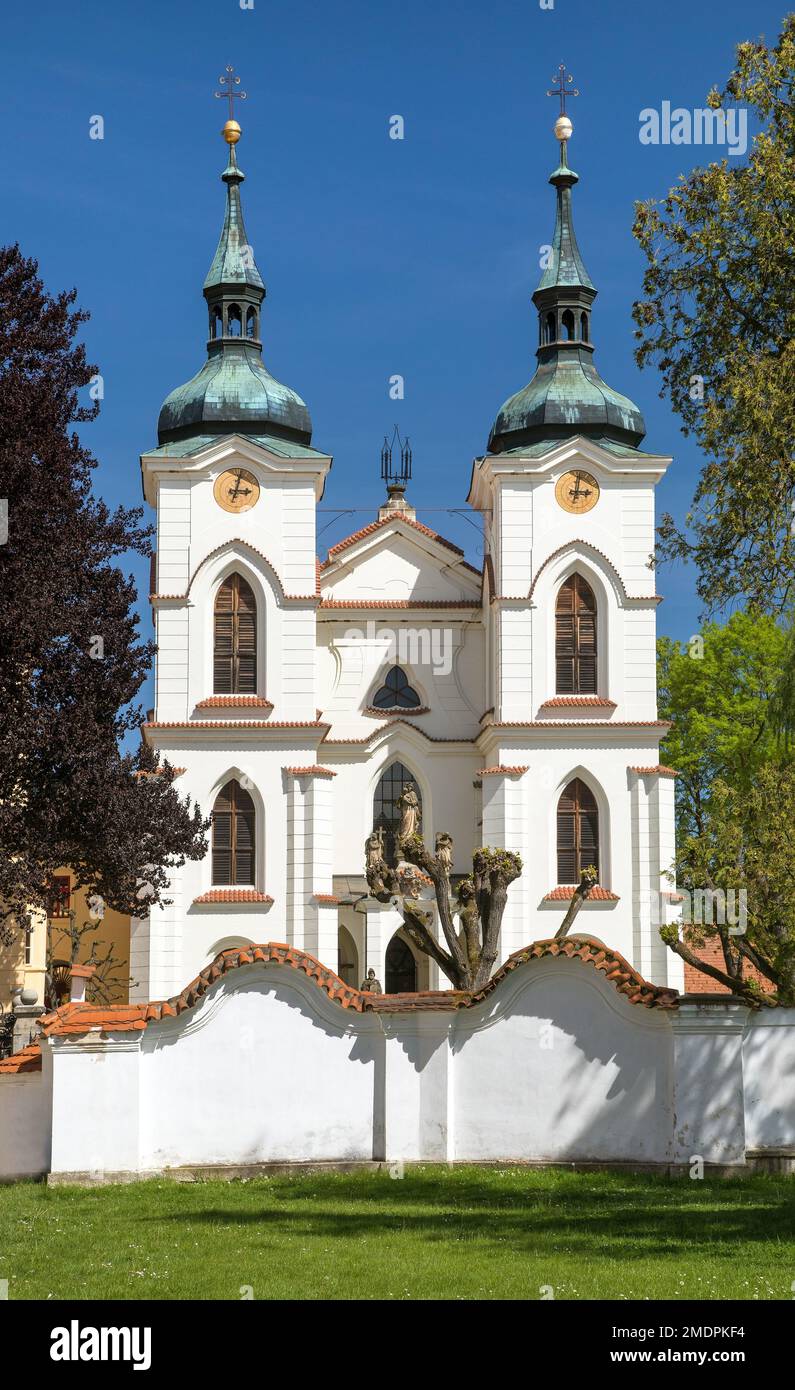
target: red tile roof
<point>75,1019</point>
<point>235,724</point>
<point>374,526</point>
<point>500,768</point>
<point>314,770</point>
<point>659,768</point>
<point>234,701</point>
<point>233,895</point>
<point>597,894</point>
<point>579,724</point>
<point>650,598</point>
<point>398,711</point>
<point>28,1059</point>
<point>581,701</point>
<point>326,899</point>
<point>379,603</point>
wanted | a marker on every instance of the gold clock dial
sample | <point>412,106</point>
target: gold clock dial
<point>236,490</point>
<point>577,492</point>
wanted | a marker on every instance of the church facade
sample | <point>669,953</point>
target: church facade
<point>300,697</point>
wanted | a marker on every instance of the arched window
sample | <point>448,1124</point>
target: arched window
<point>551,330</point>
<point>216,322</point>
<point>584,326</point>
<point>568,325</point>
<point>578,832</point>
<point>386,811</point>
<point>234,322</point>
<point>347,958</point>
<point>235,641</point>
<point>251,322</point>
<point>575,638</point>
<point>233,836</point>
<point>400,968</point>
<point>396,693</point>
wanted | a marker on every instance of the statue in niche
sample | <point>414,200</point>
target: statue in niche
<point>370,985</point>
<point>410,814</point>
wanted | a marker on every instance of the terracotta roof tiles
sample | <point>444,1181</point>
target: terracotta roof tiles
<point>597,894</point>
<point>374,526</point>
<point>314,770</point>
<point>75,1019</point>
<point>28,1059</point>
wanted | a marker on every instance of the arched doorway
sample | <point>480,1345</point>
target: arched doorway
<point>400,968</point>
<point>347,958</point>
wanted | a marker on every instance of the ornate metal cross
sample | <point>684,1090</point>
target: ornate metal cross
<point>561,90</point>
<point>230,82</point>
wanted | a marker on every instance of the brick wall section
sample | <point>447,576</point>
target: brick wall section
<point>696,983</point>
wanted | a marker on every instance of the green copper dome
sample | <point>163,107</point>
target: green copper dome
<point>234,393</point>
<point>566,396</point>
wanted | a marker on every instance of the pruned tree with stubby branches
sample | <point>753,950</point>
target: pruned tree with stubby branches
<point>469,952</point>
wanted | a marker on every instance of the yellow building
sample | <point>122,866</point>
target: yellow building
<point>23,964</point>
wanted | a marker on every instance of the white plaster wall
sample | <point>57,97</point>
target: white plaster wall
<point>556,1065</point>
<point>264,1069</point>
<point>25,1124</point>
<point>769,1071</point>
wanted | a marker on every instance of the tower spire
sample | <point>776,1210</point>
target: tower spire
<point>566,396</point>
<point>234,392</point>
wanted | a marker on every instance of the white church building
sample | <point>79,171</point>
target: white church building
<point>299,695</point>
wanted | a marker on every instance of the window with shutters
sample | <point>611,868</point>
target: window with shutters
<point>235,639</point>
<point>575,638</point>
<point>578,832</point>
<point>233,837</point>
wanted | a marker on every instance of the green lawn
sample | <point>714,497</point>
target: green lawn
<point>437,1233</point>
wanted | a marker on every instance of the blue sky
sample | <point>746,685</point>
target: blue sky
<point>415,257</point>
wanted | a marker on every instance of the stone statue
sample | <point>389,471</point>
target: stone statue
<point>444,850</point>
<point>374,849</point>
<point>371,985</point>
<point>410,814</point>
<point>380,878</point>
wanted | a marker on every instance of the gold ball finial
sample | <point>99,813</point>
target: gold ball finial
<point>231,132</point>
<point>563,128</point>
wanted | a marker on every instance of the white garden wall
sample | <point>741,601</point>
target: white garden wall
<point>556,1064</point>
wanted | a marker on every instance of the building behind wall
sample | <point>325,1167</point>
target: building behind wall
<point>300,697</point>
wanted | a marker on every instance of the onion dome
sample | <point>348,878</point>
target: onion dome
<point>566,396</point>
<point>234,393</point>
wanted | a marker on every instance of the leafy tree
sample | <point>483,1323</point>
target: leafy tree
<point>747,845</point>
<point>718,306</point>
<point>735,799</point>
<point>71,660</point>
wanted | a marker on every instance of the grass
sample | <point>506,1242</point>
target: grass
<point>469,1233</point>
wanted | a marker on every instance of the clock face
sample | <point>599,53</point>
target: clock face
<point>236,490</point>
<point>577,492</point>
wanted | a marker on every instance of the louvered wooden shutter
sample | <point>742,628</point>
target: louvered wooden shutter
<point>235,648</point>
<point>223,656</point>
<point>246,654</point>
<point>575,638</point>
<point>567,838</point>
<point>578,832</point>
<point>244,839</point>
<point>222,837</point>
<point>234,846</point>
<point>565,643</point>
